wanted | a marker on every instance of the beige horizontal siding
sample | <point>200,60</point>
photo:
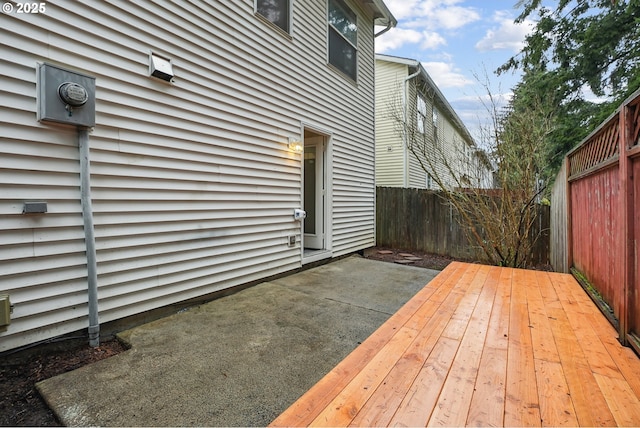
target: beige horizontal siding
<point>193,186</point>
<point>390,147</point>
<point>391,168</point>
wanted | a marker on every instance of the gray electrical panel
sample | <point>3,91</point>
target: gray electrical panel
<point>66,96</point>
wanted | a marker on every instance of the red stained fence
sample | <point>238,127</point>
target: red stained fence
<point>596,217</point>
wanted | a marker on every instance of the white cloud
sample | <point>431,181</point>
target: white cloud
<point>445,75</point>
<point>396,38</point>
<point>402,9</point>
<point>423,21</point>
<point>507,35</point>
<point>431,40</point>
<point>433,14</point>
<point>452,18</point>
<point>426,18</point>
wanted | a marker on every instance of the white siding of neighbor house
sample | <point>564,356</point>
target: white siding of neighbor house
<point>390,148</point>
<point>449,146</point>
<point>193,186</point>
<point>393,168</point>
<point>485,176</point>
<point>446,145</point>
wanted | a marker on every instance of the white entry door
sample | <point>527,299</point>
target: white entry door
<point>314,191</point>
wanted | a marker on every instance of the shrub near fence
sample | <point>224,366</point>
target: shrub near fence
<point>422,220</point>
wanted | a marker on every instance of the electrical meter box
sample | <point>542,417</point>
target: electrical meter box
<point>65,96</point>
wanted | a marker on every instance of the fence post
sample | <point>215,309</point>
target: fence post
<point>568,211</point>
<point>626,219</point>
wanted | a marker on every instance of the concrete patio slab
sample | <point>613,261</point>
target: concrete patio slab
<point>240,360</point>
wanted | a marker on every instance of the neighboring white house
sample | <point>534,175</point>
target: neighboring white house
<point>214,121</point>
<point>420,139</point>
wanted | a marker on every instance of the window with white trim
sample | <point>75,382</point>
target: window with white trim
<point>278,12</point>
<point>428,181</point>
<point>434,115</point>
<point>421,113</point>
<point>343,38</point>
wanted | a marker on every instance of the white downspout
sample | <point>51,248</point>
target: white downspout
<point>389,26</point>
<point>405,147</point>
<point>89,236</point>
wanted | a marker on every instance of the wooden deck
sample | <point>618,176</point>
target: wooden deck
<point>483,346</point>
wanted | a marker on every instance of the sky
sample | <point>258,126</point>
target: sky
<point>459,42</point>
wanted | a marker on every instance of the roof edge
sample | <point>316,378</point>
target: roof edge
<point>382,14</point>
<point>398,59</point>
<point>441,99</point>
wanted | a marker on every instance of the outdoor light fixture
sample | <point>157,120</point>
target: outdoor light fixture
<point>161,68</point>
<point>295,145</point>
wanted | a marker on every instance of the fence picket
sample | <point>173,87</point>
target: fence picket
<point>422,220</point>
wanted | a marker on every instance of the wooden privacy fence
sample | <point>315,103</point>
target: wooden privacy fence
<point>422,220</point>
<point>596,217</point>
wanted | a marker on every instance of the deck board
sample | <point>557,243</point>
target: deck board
<point>458,390</point>
<point>487,404</point>
<point>522,407</point>
<point>483,346</point>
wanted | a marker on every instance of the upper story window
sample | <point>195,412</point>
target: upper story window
<point>343,38</point>
<point>278,12</point>
<point>434,115</point>
<point>421,113</point>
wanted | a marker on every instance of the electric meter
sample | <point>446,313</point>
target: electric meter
<point>65,96</point>
<point>73,94</point>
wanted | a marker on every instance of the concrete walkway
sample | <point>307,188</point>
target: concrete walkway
<point>240,360</point>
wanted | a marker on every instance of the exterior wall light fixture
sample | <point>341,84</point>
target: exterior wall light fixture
<point>295,145</point>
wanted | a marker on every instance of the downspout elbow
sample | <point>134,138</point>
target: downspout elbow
<point>389,26</point>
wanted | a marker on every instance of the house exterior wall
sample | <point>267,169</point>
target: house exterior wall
<point>416,159</point>
<point>390,147</point>
<point>193,186</point>
<point>442,144</point>
<point>484,176</point>
<point>400,166</point>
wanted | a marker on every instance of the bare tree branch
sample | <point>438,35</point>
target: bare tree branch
<point>499,220</point>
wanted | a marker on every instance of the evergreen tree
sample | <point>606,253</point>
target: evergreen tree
<point>581,44</point>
